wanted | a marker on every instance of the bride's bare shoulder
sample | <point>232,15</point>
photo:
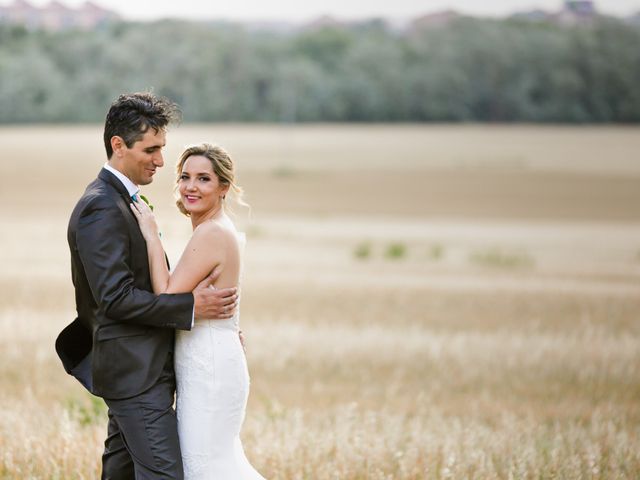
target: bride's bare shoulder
<point>212,231</point>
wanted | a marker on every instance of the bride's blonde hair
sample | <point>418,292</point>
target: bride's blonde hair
<point>222,165</point>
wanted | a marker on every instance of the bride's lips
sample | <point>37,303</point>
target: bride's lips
<point>191,198</point>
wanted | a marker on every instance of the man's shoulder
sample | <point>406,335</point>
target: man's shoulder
<point>98,195</point>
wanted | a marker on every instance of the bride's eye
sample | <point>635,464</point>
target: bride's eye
<point>184,177</point>
<point>204,179</point>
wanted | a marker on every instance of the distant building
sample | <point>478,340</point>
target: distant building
<point>56,16</point>
<point>580,7</point>
<point>576,12</point>
<point>325,21</point>
<point>533,15</point>
<point>573,12</point>
<point>434,20</point>
<point>634,19</point>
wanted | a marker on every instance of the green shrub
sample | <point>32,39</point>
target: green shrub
<point>396,251</point>
<point>91,411</point>
<point>362,251</point>
<point>495,257</point>
<point>436,252</point>
<point>283,171</point>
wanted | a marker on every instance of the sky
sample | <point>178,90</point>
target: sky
<point>304,10</point>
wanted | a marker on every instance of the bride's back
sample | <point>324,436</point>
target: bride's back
<point>228,245</point>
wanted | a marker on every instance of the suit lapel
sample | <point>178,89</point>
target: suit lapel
<point>108,177</point>
<point>124,200</point>
<point>123,204</point>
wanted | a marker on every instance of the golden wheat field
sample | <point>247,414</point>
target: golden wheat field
<point>420,302</point>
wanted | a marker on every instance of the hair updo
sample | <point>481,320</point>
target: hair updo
<point>222,166</point>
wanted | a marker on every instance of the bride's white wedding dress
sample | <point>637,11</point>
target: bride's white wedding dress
<point>212,390</point>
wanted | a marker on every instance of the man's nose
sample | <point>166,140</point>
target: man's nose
<point>158,159</point>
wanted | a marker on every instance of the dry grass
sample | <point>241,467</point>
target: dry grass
<point>431,364</point>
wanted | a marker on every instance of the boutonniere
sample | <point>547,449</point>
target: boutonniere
<point>146,200</point>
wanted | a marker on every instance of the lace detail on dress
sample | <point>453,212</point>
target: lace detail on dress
<point>194,464</point>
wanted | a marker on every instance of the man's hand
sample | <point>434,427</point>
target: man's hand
<point>213,304</point>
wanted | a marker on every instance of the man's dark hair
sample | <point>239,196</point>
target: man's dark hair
<point>132,114</point>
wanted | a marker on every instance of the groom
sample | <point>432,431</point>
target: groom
<point>120,347</point>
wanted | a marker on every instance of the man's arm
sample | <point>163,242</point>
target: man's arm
<point>103,246</point>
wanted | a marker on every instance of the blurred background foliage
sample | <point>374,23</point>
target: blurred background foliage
<point>468,70</point>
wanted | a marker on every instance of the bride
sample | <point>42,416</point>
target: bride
<point>211,370</point>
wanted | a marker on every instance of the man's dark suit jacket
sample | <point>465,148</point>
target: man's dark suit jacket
<point>119,342</point>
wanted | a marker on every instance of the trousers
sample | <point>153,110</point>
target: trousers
<point>142,436</point>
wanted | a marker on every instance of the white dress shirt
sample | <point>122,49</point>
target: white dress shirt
<point>131,187</point>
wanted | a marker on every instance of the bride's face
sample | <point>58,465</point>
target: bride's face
<point>199,187</point>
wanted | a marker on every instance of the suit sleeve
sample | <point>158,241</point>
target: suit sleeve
<point>103,246</point>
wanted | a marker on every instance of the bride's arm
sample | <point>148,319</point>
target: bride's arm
<point>204,252</point>
<point>157,264</point>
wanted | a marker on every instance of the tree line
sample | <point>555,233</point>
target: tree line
<point>469,70</point>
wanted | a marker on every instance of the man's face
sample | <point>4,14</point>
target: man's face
<point>139,163</point>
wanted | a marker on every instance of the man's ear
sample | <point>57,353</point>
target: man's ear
<point>117,145</point>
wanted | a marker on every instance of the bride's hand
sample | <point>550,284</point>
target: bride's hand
<point>146,220</point>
